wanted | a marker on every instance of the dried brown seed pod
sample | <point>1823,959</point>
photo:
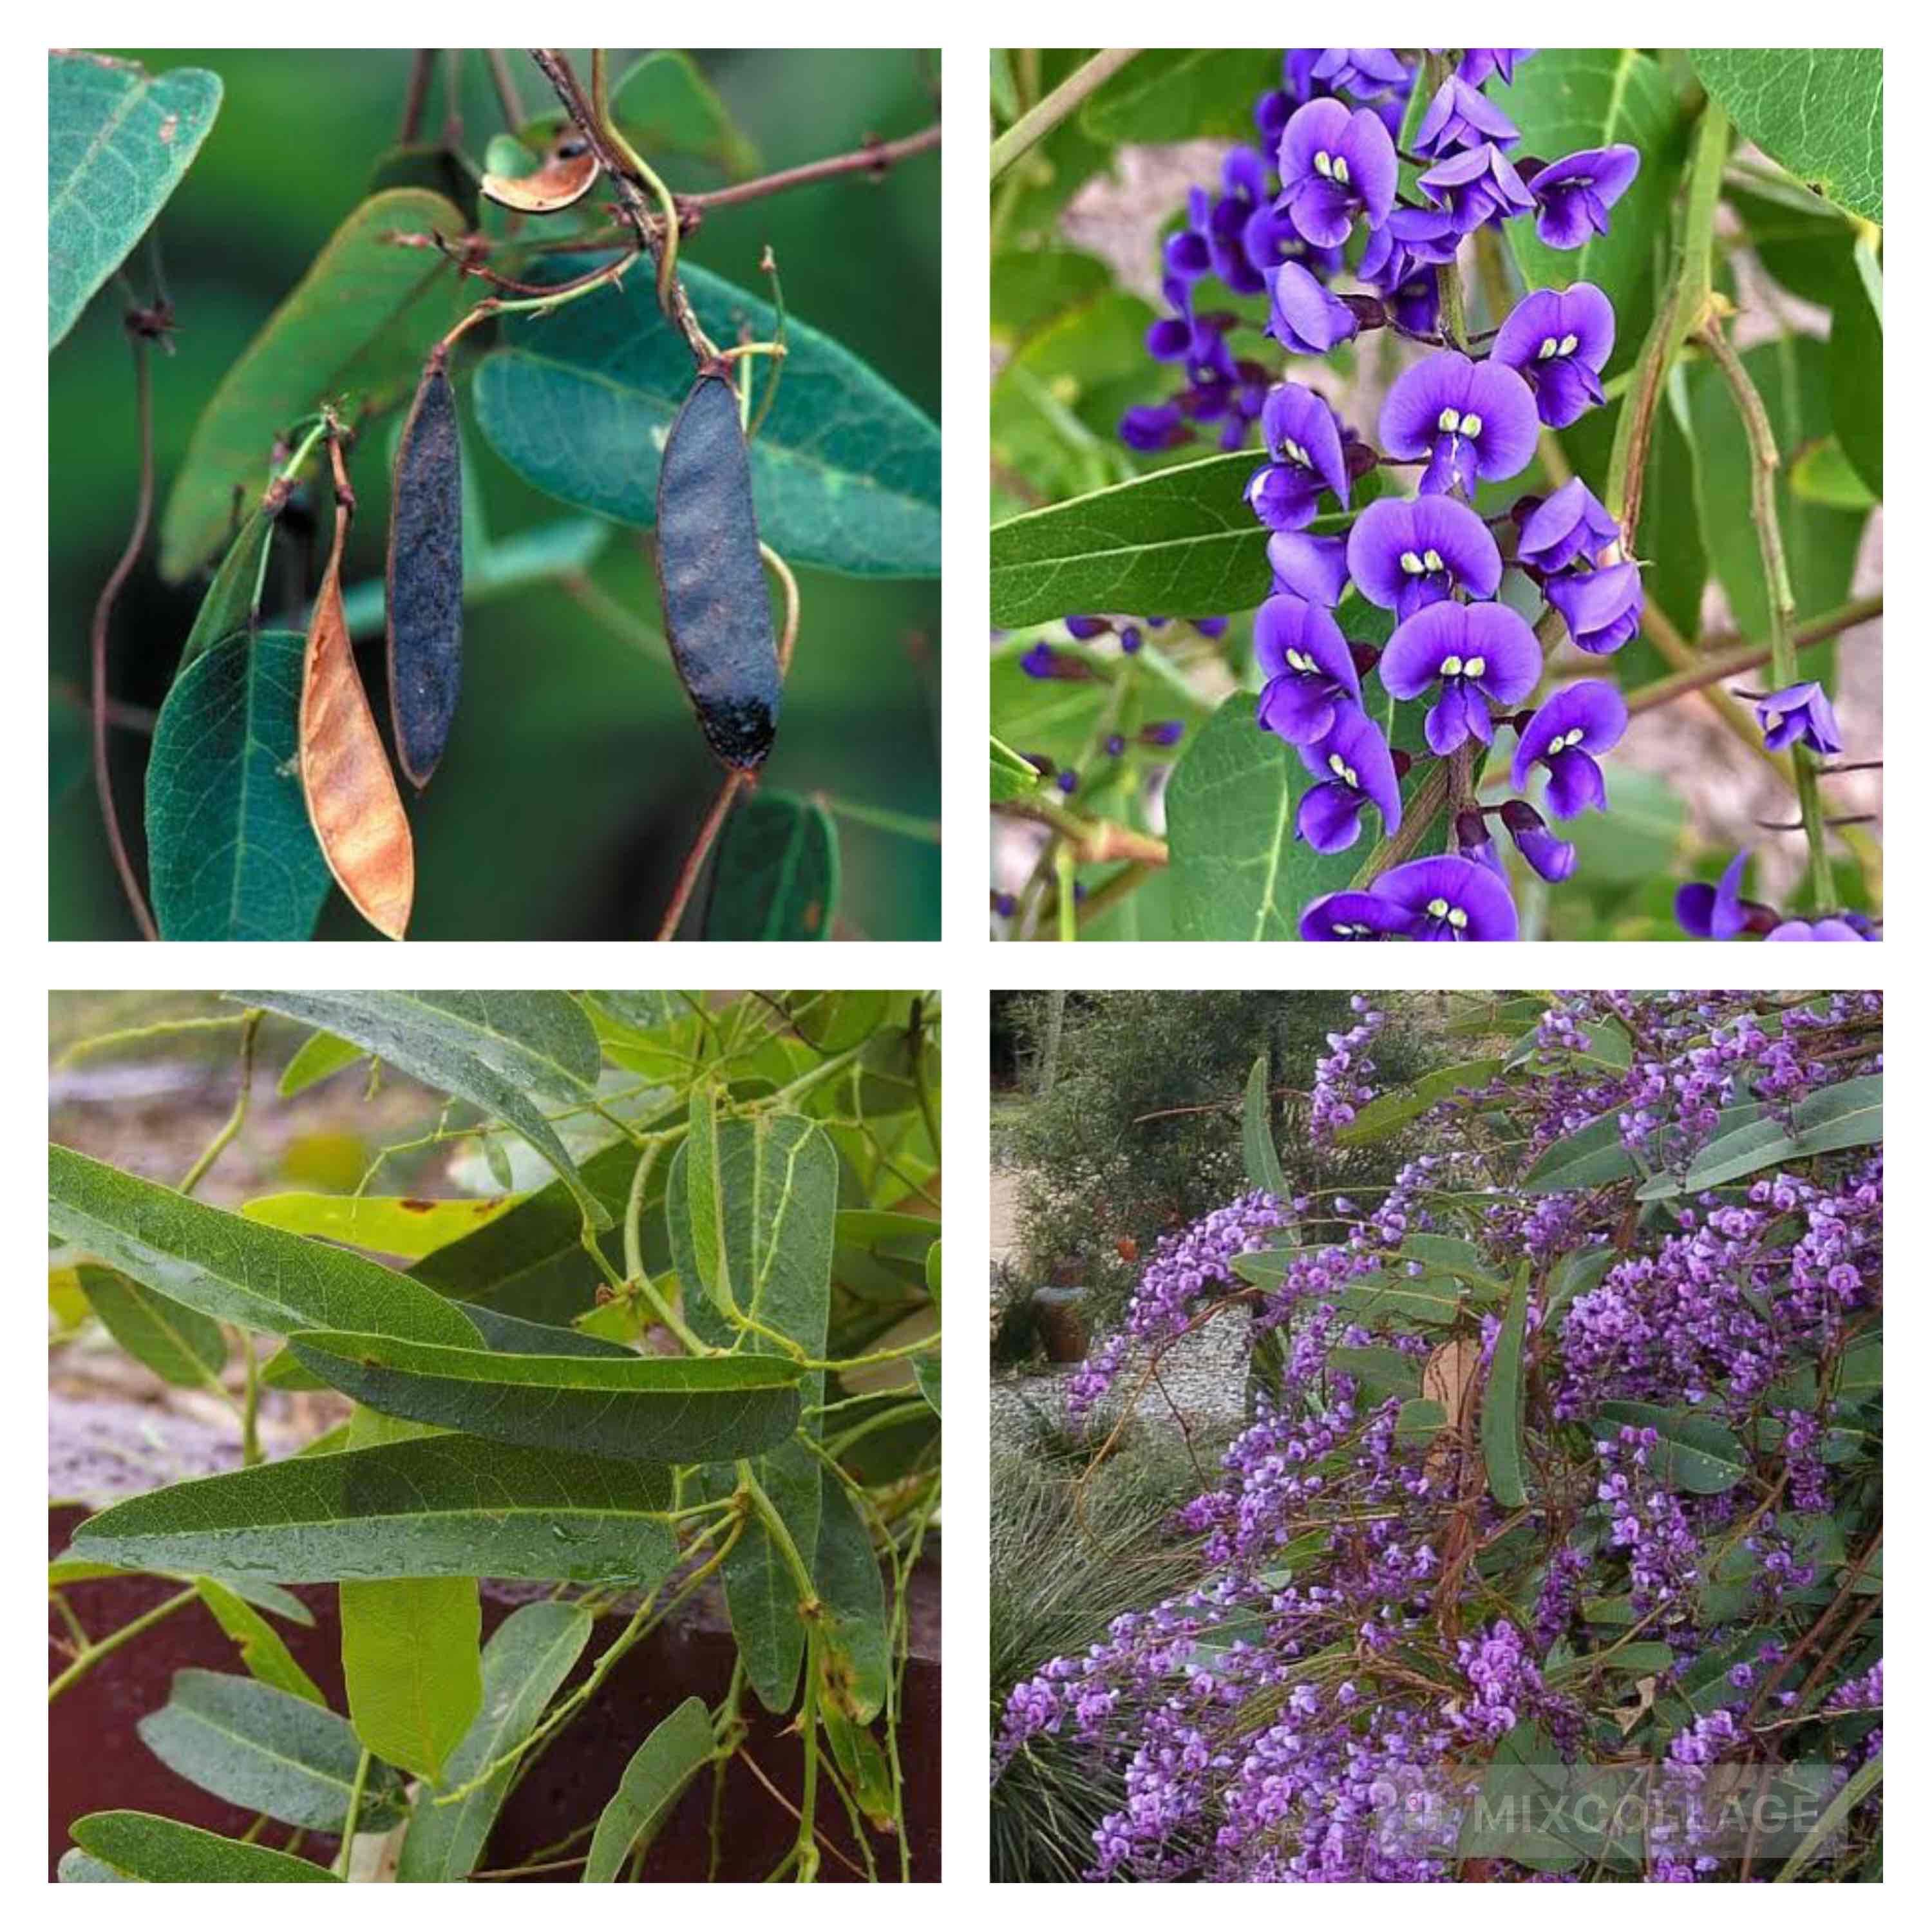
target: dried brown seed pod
<point>568,173</point>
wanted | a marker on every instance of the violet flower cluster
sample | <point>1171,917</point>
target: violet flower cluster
<point>1372,1628</point>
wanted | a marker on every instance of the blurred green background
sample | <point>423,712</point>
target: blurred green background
<point>576,777</point>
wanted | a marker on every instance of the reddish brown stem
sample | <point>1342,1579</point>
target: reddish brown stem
<point>694,863</point>
<point>875,158</point>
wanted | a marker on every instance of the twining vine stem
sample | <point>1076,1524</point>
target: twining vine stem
<point>1037,122</point>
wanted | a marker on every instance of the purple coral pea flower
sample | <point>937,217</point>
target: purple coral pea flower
<point>1602,607</point>
<point>1478,64</point>
<point>1458,117</point>
<point>1823,928</point>
<point>1304,441</point>
<point>1310,671</point>
<point>1450,899</point>
<point>1149,426</point>
<point>1244,192</point>
<point>1559,343</point>
<point>1334,165</point>
<point>1406,552</point>
<point>1475,421</point>
<point>1085,628</point>
<point>1315,568</point>
<point>1211,627</point>
<point>1573,197</point>
<point>1353,916</point>
<point>1302,316</point>
<point>1475,651</point>
<point>1569,522</point>
<point>1552,858</point>
<point>1800,714</point>
<point>1568,729</point>
<point>1478,185</point>
<point>1706,911</point>
<point>1353,763</point>
<point>1364,72</point>
<point>1187,254</point>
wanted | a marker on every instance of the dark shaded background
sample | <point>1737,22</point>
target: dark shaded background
<point>576,777</point>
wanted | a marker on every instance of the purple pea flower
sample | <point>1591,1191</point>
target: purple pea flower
<point>1353,762</point>
<point>1706,911</point>
<point>1364,72</point>
<point>1475,651</point>
<point>1451,899</point>
<point>1086,628</point>
<point>1800,714</point>
<point>1479,64</point>
<point>1552,858</point>
<point>1200,341</point>
<point>1823,928</point>
<point>1304,441</point>
<point>1186,253</point>
<point>1568,728</point>
<point>1478,185</point>
<point>1149,426</point>
<point>1405,553</point>
<point>1602,607</point>
<point>1573,197</point>
<point>1351,915</point>
<point>1475,421</point>
<point>1210,627</point>
<point>1315,568</point>
<point>1311,673</point>
<point>1231,224</point>
<point>1302,316</point>
<point>1334,165</point>
<point>1559,343</point>
<point>1569,522</point>
<point>1459,117</point>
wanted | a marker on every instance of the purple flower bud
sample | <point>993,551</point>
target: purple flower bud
<point>1476,186</point>
<point>1164,731</point>
<point>1553,857</point>
<point>1005,904</point>
<point>1364,72</point>
<point>1313,568</point>
<point>1130,638</point>
<point>1069,781</point>
<point>1116,744</point>
<point>1212,627</point>
<point>1150,426</point>
<point>1302,316</point>
<point>1567,524</point>
<point>1459,117</point>
<point>1087,628</point>
<point>1042,661</point>
<point>1479,64</point>
<point>1714,912</point>
<point>1603,608</point>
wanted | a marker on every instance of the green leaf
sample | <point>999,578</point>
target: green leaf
<point>646,1409</point>
<point>318,1056</point>
<point>926,1370</point>
<point>386,1224</point>
<point>1693,1452</point>
<point>1576,1274</point>
<point>1858,367</point>
<point>667,106</point>
<point>265,1656</point>
<point>776,874</point>
<point>79,1867</point>
<point>1178,94</point>
<point>653,1781</point>
<point>410,1660</point>
<point>260,1748</point>
<point>1033,288</point>
<point>503,1052</point>
<point>230,1268</point>
<point>510,1335</point>
<point>1831,1820</point>
<point>182,1347</point>
<point>233,600</point>
<point>1803,243</point>
<point>1382,1372</point>
<point>355,331</point>
<point>1257,1148</point>
<point>1570,98</point>
<point>1848,1115</point>
<point>160,1852</point>
<point>856,1662</point>
<point>705,1204</point>
<point>231,854</point>
<point>844,472</point>
<point>1502,1402</point>
<point>523,1665</point>
<point>1388,1112</point>
<point>1013,776</point>
<point>119,139</point>
<point>1824,474</point>
<point>1818,111</point>
<point>445,1506</point>
<point>1182,539</point>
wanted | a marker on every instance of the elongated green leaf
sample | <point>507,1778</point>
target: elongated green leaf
<point>387,1225</point>
<point>180,1346</point>
<point>1033,288</point>
<point>705,1204</point>
<point>653,1781</point>
<point>1382,1372</point>
<point>1502,1402</point>
<point>259,1747</point>
<point>1593,1156</point>
<point>667,106</point>
<point>1574,1274</point>
<point>1858,367</point>
<point>411,1662</point>
<point>1803,243</point>
<point>1570,98</point>
<point>357,327</point>
<point>857,1657</point>
<point>445,1506</point>
<point>79,1867</point>
<point>646,1409</point>
<point>160,1852</point>
<point>1388,1112</point>
<point>1849,1113</point>
<point>844,472</point>
<point>119,139</point>
<point>1693,1452</point>
<point>1258,1147</point>
<point>231,854</point>
<point>1818,111</point>
<point>496,1050</point>
<point>230,1268</point>
<point>1190,93</point>
<point>264,1654</point>
<point>69,1569</point>
<point>926,1370</point>
<point>511,1335</point>
<point>1182,539</point>
<point>318,1056</point>
<point>232,602</point>
<point>524,1664</point>
<point>776,874</point>
<point>1013,776</point>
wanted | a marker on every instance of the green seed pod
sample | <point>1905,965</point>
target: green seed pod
<point>425,576</point>
<point>717,611</point>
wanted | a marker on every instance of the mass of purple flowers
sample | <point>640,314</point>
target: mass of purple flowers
<point>1692,1581</point>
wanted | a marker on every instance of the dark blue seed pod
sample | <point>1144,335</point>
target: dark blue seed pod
<point>717,610</point>
<point>425,577</point>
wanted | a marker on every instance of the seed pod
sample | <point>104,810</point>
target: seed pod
<point>717,611</point>
<point>352,800</point>
<point>425,576</point>
<point>568,171</point>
